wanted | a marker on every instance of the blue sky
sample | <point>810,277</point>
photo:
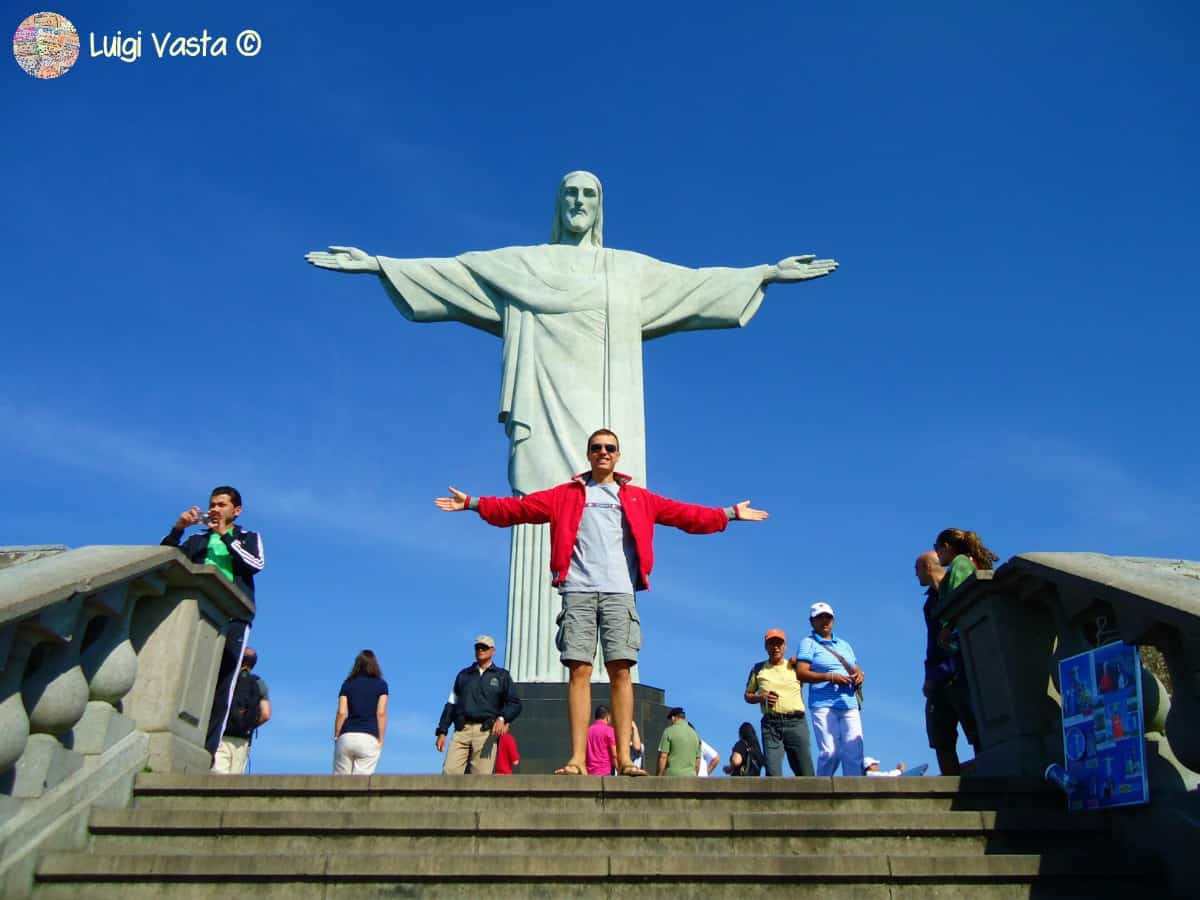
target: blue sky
<point>1009,345</point>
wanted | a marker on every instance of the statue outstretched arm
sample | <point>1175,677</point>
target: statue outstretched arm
<point>343,259</point>
<point>798,268</point>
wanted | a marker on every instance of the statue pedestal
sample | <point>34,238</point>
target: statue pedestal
<point>543,735</point>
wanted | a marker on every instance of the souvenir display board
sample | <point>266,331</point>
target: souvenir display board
<point>1102,728</point>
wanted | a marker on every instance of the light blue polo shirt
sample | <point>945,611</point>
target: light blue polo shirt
<point>813,651</point>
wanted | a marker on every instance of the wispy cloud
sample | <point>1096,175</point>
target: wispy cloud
<point>93,448</point>
<point>1095,485</point>
<point>136,457</point>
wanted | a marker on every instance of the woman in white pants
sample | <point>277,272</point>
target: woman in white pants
<point>827,665</point>
<point>361,720</point>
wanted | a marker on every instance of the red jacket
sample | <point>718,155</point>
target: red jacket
<point>562,507</point>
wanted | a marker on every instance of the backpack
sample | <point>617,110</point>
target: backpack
<point>243,710</point>
<point>752,764</point>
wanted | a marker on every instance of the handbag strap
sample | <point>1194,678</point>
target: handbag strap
<point>840,658</point>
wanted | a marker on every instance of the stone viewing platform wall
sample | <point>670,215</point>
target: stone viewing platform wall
<point>1015,625</point>
<point>108,661</point>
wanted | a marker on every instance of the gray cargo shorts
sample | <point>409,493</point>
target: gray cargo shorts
<point>613,616</point>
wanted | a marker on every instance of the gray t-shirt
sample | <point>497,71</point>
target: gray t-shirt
<point>604,557</point>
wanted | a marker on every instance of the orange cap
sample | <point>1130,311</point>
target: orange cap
<point>774,633</point>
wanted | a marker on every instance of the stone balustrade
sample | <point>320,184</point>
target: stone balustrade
<point>96,643</point>
<point>1017,623</point>
<point>108,662</point>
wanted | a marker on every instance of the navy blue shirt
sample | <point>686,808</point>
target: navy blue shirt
<point>941,665</point>
<point>362,698</point>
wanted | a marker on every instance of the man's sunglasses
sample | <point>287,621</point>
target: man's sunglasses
<point>596,448</point>
<point>482,647</point>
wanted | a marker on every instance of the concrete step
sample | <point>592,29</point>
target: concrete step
<point>302,876</point>
<point>548,793</point>
<point>783,833</point>
<point>298,837</point>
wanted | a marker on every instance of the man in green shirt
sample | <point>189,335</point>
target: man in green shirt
<point>238,555</point>
<point>679,749</point>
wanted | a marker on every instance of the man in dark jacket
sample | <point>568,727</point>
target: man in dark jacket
<point>481,706</point>
<point>238,554</point>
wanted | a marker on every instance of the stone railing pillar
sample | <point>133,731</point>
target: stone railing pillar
<point>179,642</point>
<point>109,663</point>
<point>55,693</point>
<point>14,720</point>
<point>1008,641</point>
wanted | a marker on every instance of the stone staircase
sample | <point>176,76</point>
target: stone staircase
<point>299,837</point>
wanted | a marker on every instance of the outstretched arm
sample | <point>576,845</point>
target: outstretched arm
<point>798,268</point>
<point>343,259</point>
<point>456,502</point>
<point>532,509</point>
<point>744,512</point>
<point>696,519</point>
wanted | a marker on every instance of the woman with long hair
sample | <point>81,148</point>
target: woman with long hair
<point>961,553</point>
<point>746,757</point>
<point>361,720</point>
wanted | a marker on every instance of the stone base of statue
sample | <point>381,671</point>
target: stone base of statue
<point>544,738</point>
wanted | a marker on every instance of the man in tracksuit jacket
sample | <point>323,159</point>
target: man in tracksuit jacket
<point>481,706</point>
<point>238,554</point>
<point>601,552</point>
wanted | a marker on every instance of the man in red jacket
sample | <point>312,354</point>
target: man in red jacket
<point>601,552</point>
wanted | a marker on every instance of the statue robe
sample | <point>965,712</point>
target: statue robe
<point>572,320</point>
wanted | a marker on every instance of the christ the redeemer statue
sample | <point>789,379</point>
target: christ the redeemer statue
<point>572,315</point>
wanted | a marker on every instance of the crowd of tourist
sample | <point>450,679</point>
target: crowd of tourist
<point>601,539</point>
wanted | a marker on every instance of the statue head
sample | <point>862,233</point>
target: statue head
<point>579,208</point>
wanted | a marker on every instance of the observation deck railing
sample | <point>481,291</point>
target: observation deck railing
<point>108,662</point>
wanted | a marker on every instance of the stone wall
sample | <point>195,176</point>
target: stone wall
<point>108,661</point>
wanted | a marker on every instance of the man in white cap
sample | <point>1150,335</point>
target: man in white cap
<point>481,706</point>
<point>827,665</point>
<point>871,768</point>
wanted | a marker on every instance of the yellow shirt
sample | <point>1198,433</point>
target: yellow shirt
<point>765,677</point>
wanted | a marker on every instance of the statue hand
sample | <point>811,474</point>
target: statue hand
<point>343,259</point>
<point>801,268</point>
<point>455,503</point>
